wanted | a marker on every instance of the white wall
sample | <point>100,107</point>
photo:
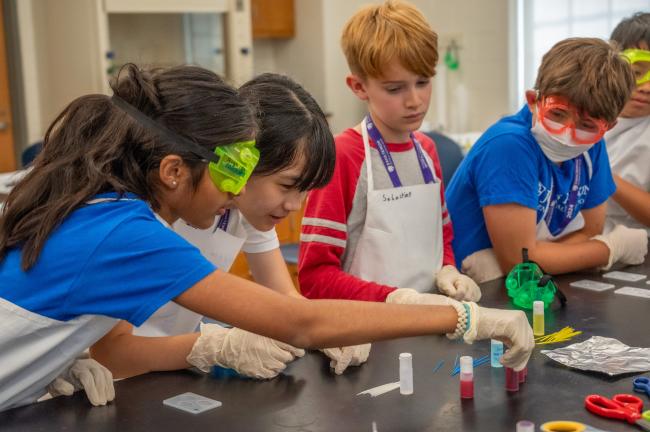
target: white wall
<point>30,70</point>
<point>63,46</point>
<point>346,109</point>
<point>481,29</point>
<point>56,64</point>
<point>301,57</point>
<point>314,58</point>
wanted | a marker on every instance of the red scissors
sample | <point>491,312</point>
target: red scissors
<point>622,406</point>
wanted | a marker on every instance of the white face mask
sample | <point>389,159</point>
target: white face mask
<point>558,148</point>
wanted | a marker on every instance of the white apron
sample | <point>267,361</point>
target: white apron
<point>218,246</point>
<point>401,243</point>
<point>34,349</point>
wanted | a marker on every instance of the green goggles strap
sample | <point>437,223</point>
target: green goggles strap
<point>162,131</point>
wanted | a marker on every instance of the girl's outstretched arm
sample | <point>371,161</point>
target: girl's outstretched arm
<point>311,323</point>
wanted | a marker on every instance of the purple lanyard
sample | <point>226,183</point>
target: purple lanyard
<point>387,159</point>
<point>223,221</point>
<point>571,202</point>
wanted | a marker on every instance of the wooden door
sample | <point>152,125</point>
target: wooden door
<point>7,152</point>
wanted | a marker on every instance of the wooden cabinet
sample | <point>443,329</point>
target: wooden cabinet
<point>7,154</point>
<point>272,19</point>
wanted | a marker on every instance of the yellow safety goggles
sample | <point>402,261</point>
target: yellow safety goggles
<point>640,61</point>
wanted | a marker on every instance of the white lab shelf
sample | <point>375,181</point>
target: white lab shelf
<point>71,40</point>
<point>166,6</point>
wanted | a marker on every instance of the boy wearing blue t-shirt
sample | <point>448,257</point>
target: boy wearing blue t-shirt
<point>540,179</point>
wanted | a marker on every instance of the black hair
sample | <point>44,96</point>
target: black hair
<point>291,125</point>
<point>96,146</point>
<point>633,30</point>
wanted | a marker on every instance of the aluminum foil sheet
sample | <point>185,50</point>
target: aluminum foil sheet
<point>602,354</point>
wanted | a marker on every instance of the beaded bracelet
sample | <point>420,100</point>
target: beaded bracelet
<point>464,320</point>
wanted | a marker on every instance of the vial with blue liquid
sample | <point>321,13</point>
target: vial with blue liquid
<point>496,351</point>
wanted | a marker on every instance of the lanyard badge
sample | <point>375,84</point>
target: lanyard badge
<point>387,159</point>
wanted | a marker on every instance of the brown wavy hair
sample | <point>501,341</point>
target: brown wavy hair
<point>94,147</point>
<point>590,73</point>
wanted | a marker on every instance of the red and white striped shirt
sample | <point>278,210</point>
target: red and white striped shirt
<point>335,216</point>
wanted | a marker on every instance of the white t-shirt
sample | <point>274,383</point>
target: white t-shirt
<point>172,318</point>
<point>255,241</point>
<point>628,146</point>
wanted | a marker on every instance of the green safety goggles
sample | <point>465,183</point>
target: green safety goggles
<point>641,71</point>
<point>234,166</point>
<point>527,283</point>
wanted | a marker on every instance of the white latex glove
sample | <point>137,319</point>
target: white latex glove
<point>456,285</point>
<point>626,245</point>
<point>411,296</point>
<point>86,374</point>
<point>341,358</point>
<point>247,353</point>
<point>482,266</point>
<point>509,326</point>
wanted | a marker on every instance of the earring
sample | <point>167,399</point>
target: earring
<point>173,182</point>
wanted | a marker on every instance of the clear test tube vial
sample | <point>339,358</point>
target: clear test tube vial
<point>512,380</point>
<point>466,377</point>
<point>496,351</point>
<point>538,318</point>
<point>525,426</point>
<point>406,373</point>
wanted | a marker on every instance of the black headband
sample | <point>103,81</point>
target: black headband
<point>162,131</point>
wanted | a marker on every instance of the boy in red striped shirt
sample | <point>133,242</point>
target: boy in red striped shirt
<point>380,231</point>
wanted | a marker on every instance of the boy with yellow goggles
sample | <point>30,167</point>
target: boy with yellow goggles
<point>628,143</point>
<point>640,61</point>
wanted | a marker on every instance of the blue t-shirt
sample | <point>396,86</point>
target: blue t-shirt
<point>111,258</point>
<point>507,165</point>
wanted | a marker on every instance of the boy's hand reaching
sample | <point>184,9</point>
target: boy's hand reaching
<point>341,358</point>
<point>457,285</point>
